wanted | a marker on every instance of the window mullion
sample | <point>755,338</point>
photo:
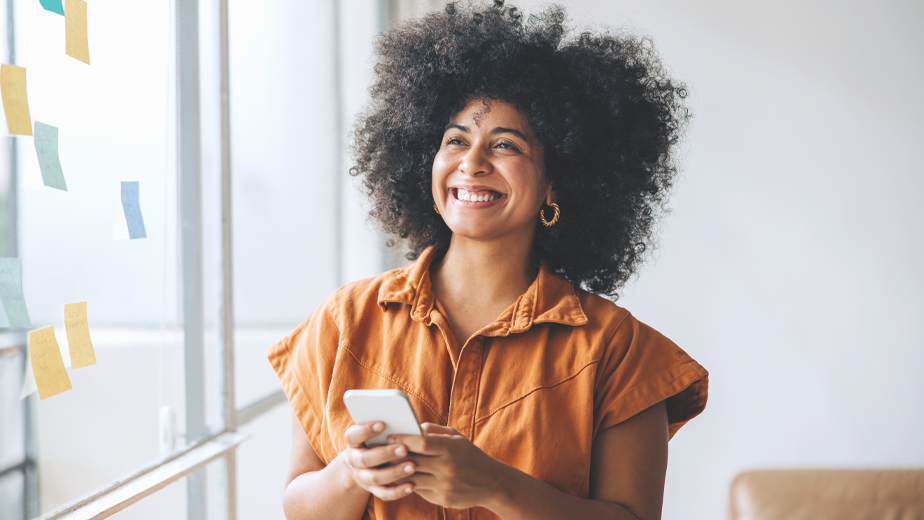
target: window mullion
<point>189,172</point>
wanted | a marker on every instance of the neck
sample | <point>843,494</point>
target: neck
<point>479,273</point>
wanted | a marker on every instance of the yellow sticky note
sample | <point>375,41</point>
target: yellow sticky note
<point>47,364</point>
<point>15,102</point>
<point>75,30</point>
<point>78,335</point>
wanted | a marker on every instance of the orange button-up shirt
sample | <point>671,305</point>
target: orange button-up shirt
<point>532,389</point>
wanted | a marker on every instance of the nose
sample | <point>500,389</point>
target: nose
<point>476,162</point>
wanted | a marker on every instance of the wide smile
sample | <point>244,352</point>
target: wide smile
<point>475,197</point>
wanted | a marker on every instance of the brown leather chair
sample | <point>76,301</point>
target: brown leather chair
<point>894,494</point>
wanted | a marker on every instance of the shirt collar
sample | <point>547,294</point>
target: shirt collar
<point>549,299</point>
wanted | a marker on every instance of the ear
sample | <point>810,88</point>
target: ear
<point>550,196</point>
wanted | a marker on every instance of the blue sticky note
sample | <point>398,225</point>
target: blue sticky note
<point>54,6</point>
<point>132,210</point>
<point>14,303</point>
<point>46,146</point>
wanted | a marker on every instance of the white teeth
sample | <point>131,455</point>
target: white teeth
<point>468,196</point>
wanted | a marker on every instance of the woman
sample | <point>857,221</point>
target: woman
<point>524,172</point>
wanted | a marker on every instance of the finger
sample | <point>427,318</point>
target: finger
<point>423,444</point>
<point>405,480</point>
<point>438,429</point>
<point>391,492</point>
<point>384,476</point>
<point>424,463</point>
<point>424,481</point>
<point>372,457</point>
<point>357,434</point>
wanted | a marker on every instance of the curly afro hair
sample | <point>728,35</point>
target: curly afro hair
<point>602,105</point>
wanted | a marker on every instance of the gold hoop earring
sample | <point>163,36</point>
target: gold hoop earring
<point>545,222</point>
<point>436,210</point>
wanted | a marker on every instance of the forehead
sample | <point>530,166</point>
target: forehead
<point>487,114</point>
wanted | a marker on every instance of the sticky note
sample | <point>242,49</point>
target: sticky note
<point>78,335</point>
<point>28,381</point>
<point>15,102</point>
<point>132,209</point>
<point>47,364</point>
<point>75,30</point>
<point>46,146</point>
<point>14,303</point>
<point>53,6</point>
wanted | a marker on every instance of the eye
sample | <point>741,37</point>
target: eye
<point>454,140</point>
<point>507,145</point>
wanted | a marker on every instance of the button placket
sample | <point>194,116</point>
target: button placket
<point>464,394</point>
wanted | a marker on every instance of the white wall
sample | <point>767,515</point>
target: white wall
<point>791,266</point>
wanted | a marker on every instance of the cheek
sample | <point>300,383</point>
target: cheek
<point>441,169</point>
<point>531,185</point>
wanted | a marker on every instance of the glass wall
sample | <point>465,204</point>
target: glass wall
<point>115,123</point>
<point>297,77</point>
<point>283,133</point>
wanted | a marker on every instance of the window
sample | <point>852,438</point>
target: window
<point>250,223</point>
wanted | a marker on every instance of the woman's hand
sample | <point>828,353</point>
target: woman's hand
<point>451,471</point>
<point>379,470</point>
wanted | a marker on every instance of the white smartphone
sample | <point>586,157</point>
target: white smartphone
<point>389,406</point>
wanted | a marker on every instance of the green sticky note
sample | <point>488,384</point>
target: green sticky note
<point>46,146</point>
<point>54,6</point>
<point>14,303</point>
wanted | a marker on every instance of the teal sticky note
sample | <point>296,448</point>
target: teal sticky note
<point>46,146</point>
<point>132,208</point>
<point>14,303</point>
<point>54,6</point>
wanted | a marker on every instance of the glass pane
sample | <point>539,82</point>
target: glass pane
<point>262,462</point>
<point>12,420</point>
<point>283,131</point>
<point>300,228</point>
<point>107,426</point>
<point>115,124</point>
<point>12,492</point>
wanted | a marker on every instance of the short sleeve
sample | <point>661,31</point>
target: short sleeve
<point>304,361</point>
<point>640,368</point>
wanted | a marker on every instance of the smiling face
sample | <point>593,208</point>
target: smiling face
<point>488,175</point>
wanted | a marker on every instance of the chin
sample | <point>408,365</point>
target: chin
<point>472,232</point>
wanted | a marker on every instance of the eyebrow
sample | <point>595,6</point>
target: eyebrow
<point>498,130</point>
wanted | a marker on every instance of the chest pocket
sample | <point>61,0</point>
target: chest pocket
<point>535,408</point>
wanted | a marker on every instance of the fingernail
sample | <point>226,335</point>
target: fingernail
<point>399,451</point>
<point>377,427</point>
<point>407,489</point>
<point>408,469</point>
